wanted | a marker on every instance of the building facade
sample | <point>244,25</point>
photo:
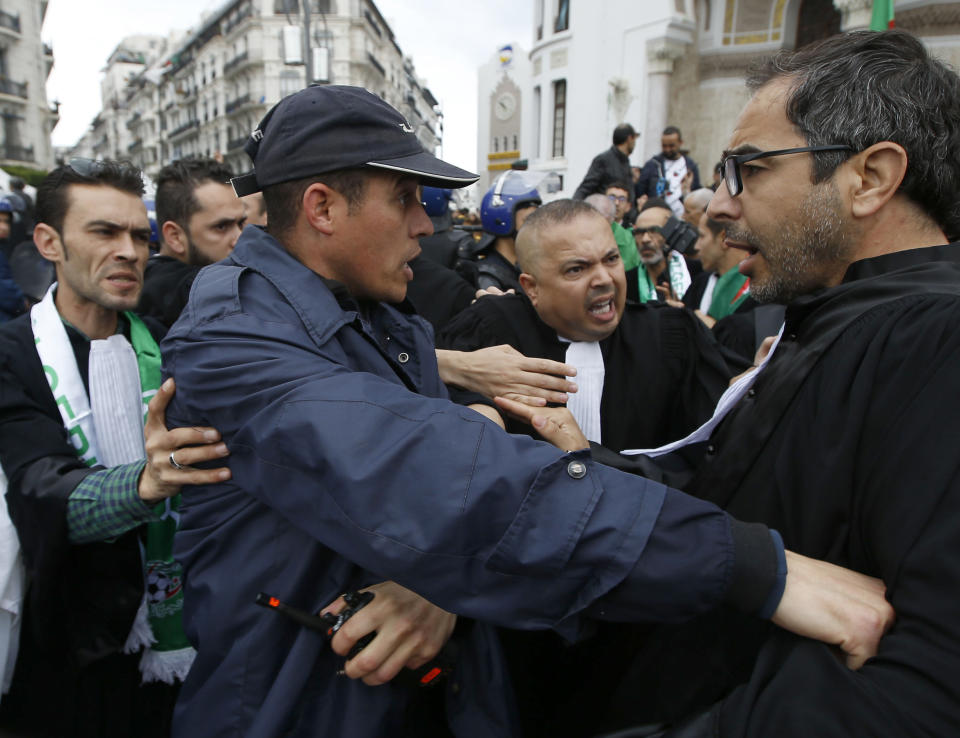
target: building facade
<point>25,62</point>
<point>674,62</point>
<point>502,136</point>
<point>204,93</point>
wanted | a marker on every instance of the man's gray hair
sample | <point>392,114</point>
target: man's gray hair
<point>603,205</point>
<point>864,87</point>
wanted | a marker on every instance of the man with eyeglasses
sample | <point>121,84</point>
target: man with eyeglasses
<point>660,271</point>
<point>101,647</point>
<point>619,194</point>
<point>841,185</point>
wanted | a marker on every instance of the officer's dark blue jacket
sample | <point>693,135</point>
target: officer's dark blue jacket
<point>350,466</point>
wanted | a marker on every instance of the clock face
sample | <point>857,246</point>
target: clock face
<point>505,106</point>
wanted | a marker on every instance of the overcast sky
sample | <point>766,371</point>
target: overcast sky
<point>447,40</point>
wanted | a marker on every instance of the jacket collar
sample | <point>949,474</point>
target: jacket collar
<point>901,260</point>
<point>619,154</point>
<point>323,305</point>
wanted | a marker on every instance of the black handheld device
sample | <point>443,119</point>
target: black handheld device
<point>428,675</point>
<point>679,235</point>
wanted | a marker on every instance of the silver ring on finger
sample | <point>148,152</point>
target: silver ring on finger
<point>174,464</point>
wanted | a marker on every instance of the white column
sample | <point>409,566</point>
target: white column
<point>661,54</point>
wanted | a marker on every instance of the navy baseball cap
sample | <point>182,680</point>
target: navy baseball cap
<point>325,128</point>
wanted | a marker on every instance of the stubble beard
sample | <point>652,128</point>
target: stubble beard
<point>194,256</point>
<point>93,291</point>
<point>810,247</point>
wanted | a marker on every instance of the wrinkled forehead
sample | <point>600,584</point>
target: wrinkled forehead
<point>88,203</point>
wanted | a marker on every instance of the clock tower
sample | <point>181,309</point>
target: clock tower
<point>501,121</point>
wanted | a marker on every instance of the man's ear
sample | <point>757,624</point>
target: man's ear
<point>877,172</point>
<point>323,207</point>
<point>48,242</point>
<point>529,284</point>
<point>174,237</point>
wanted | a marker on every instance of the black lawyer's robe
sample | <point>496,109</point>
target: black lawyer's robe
<point>663,371</point>
<point>848,447</point>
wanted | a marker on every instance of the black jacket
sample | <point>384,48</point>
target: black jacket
<point>436,292</point>
<point>847,446</point>
<point>605,169</point>
<point>166,287</point>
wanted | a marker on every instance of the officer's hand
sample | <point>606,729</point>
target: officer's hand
<point>834,605</point>
<point>555,424</point>
<point>410,632</point>
<point>504,371</point>
<point>161,478</point>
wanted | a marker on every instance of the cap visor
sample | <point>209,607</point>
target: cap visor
<point>429,170</point>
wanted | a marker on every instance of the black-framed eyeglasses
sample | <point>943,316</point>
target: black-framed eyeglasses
<point>730,164</point>
<point>618,198</point>
<point>640,230</point>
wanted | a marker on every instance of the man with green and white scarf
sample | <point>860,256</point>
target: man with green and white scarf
<point>662,272</point>
<point>101,646</point>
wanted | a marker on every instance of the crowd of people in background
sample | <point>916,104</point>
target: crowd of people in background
<point>320,388</point>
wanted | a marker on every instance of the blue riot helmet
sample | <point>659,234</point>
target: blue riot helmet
<point>151,207</point>
<point>15,201</point>
<point>5,206</point>
<point>436,200</point>
<point>510,190</point>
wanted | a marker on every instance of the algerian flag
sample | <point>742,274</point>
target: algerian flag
<point>882,17</point>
